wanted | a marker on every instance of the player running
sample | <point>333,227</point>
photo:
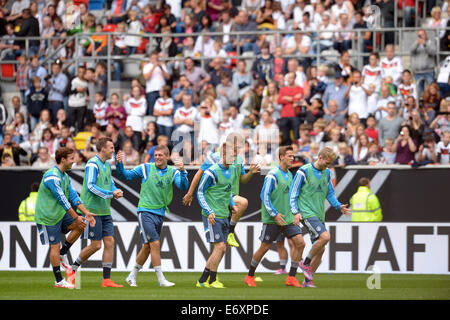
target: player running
<point>215,197</point>
<point>157,180</point>
<point>311,186</point>
<point>277,218</point>
<point>241,177</point>
<point>54,214</point>
<point>97,192</point>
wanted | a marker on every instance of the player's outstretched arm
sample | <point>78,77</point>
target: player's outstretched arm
<point>135,173</point>
<point>189,196</point>
<point>254,168</point>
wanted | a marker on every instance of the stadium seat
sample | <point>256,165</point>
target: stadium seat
<point>331,55</point>
<point>249,57</point>
<point>96,5</point>
<point>8,71</point>
<point>132,66</point>
<point>81,138</point>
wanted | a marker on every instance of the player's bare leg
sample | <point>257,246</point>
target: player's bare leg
<point>317,260</point>
<point>74,234</point>
<point>283,255</point>
<point>60,282</point>
<point>319,245</point>
<point>85,253</point>
<point>317,250</point>
<point>256,259</point>
<point>241,205</point>
<point>213,263</point>
<point>298,245</point>
<point>108,255</point>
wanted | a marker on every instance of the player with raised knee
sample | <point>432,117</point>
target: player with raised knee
<point>54,214</point>
<point>241,177</point>
<point>215,197</point>
<point>311,186</point>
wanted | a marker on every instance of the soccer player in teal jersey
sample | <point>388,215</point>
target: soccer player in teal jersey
<point>277,217</point>
<point>241,177</point>
<point>55,214</point>
<point>155,196</point>
<point>215,197</point>
<point>311,186</point>
<point>97,192</point>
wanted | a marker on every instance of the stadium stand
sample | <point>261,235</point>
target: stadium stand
<point>316,73</point>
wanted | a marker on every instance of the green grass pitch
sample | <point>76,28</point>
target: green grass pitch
<point>32,285</point>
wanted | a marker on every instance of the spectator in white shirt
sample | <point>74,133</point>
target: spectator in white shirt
<point>299,9</point>
<point>343,40</point>
<point>236,119</point>
<point>437,22</point>
<point>357,95</point>
<point>381,110</point>
<point>340,7</point>
<point>155,75</point>
<point>134,27</point>
<point>391,65</point>
<point>325,38</point>
<point>136,107</point>
<point>372,78</point>
<point>443,148</point>
<point>100,110</point>
<point>208,117</point>
<point>163,112</point>
<point>184,119</point>
<point>204,46</point>
<point>44,159</point>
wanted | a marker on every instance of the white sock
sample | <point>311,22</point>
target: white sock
<point>232,222</point>
<point>135,270</point>
<point>159,273</point>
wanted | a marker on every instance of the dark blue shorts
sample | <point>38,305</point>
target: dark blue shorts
<point>150,226</point>
<point>217,232</point>
<point>104,227</point>
<point>52,234</point>
<point>315,227</point>
<point>271,232</point>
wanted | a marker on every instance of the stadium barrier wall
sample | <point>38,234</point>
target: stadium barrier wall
<point>419,248</point>
<point>405,194</point>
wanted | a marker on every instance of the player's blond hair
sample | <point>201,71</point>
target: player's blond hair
<point>328,154</point>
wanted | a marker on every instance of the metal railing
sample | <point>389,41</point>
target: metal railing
<point>317,57</point>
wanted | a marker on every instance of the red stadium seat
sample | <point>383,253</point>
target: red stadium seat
<point>8,71</point>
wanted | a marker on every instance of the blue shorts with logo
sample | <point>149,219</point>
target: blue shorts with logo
<point>272,232</point>
<point>217,232</point>
<point>104,227</point>
<point>52,234</point>
<point>315,227</point>
<point>150,226</point>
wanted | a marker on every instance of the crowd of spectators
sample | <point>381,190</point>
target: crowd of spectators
<point>381,114</point>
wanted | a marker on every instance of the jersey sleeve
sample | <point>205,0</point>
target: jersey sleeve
<point>294,190</point>
<point>208,180</point>
<point>91,176</point>
<point>180,179</point>
<point>209,161</point>
<point>331,197</point>
<point>53,183</point>
<point>135,173</point>
<point>74,198</point>
<point>269,184</point>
